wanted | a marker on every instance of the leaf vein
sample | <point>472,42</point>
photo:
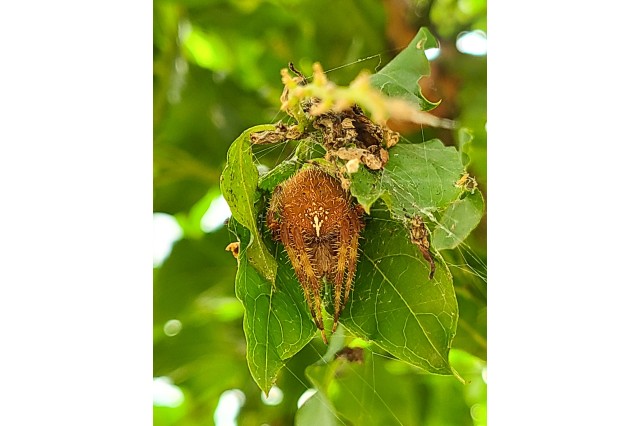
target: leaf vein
<point>410,310</point>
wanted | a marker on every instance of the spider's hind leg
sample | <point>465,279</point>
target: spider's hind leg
<point>305,272</point>
<point>347,258</point>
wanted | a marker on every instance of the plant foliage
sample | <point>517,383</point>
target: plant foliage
<point>394,303</point>
<point>224,326</point>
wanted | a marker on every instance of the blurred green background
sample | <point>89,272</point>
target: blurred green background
<point>217,72</point>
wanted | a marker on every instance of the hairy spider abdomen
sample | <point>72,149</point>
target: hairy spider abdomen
<point>319,225</point>
<point>314,202</point>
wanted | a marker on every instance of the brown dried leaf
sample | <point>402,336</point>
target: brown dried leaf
<point>234,248</point>
<point>420,237</point>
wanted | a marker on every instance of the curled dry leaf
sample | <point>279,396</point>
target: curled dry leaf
<point>374,157</point>
<point>322,96</point>
<point>467,182</point>
<point>281,134</point>
<point>420,237</point>
<point>351,354</point>
<point>234,248</point>
<point>352,165</point>
<point>351,136</point>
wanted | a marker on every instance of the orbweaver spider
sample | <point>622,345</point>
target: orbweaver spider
<point>319,224</point>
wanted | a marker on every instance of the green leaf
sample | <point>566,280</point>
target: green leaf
<point>470,278</point>
<point>418,179</point>
<point>191,222</point>
<point>458,220</point>
<point>277,322</point>
<point>317,410</point>
<point>365,186</point>
<point>208,50</point>
<point>447,402</point>
<point>421,178</point>
<point>465,137</point>
<point>367,392</point>
<point>238,184</point>
<point>395,304</point>
<point>194,267</point>
<point>399,78</point>
<point>279,173</point>
<point>472,324</point>
<point>308,149</point>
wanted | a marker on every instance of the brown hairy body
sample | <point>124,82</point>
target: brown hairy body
<point>319,225</point>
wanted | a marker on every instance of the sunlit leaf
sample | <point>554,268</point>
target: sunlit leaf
<point>458,220</point>
<point>238,183</point>
<point>448,402</point>
<point>193,267</point>
<point>365,186</point>
<point>365,392</point>
<point>465,137</point>
<point>282,171</point>
<point>472,325</point>
<point>207,50</point>
<point>421,178</point>
<point>399,78</point>
<point>277,322</point>
<point>201,103</point>
<point>396,305</point>
<point>317,410</point>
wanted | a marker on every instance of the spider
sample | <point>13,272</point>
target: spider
<point>319,224</point>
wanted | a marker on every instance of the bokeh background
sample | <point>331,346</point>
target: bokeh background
<point>217,72</point>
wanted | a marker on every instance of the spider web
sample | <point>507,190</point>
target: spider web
<point>369,392</point>
<point>465,261</point>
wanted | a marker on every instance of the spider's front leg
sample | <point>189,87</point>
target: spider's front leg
<point>293,241</point>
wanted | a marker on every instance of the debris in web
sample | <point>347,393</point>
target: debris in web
<point>419,237</point>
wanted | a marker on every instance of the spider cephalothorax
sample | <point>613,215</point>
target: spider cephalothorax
<point>319,225</point>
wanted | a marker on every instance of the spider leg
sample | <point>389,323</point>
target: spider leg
<point>294,243</point>
<point>353,260</point>
<point>356,224</point>
<point>347,260</point>
<point>275,206</point>
<point>338,276</point>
